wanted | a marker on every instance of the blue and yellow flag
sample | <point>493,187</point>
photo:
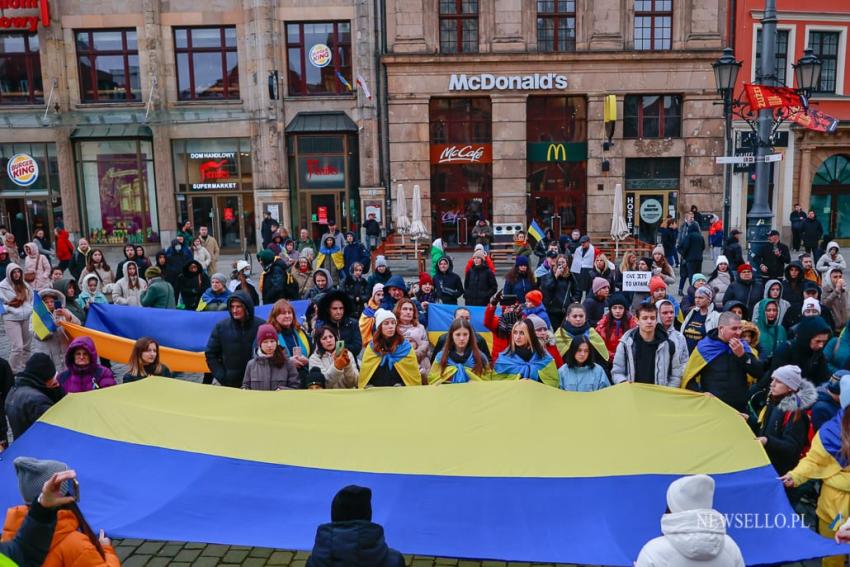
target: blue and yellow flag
<point>345,83</point>
<point>535,231</point>
<point>437,460</point>
<point>43,324</point>
<point>440,317</point>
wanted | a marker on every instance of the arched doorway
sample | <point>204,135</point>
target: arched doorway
<point>831,196</point>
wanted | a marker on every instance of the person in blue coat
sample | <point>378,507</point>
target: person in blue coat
<point>828,403</point>
<point>580,372</point>
<point>519,280</point>
<point>354,251</point>
<point>351,538</point>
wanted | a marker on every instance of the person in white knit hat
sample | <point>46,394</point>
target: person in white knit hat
<point>388,360</point>
<point>694,534</point>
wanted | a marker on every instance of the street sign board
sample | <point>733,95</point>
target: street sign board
<point>770,158</point>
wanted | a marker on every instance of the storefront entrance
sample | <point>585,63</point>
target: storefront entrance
<point>321,206</point>
<point>831,197</point>
<point>29,198</point>
<point>229,218</point>
<point>652,194</point>
<point>24,216</point>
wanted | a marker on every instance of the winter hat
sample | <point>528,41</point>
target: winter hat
<point>33,473</point>
<point>481,254</point>
<point>811,303</point>
<point>314,376</point>
<point>352,503</point>
<point>479,247</point>
<point>697,277</point>
<point>790,375</point>
<point>584,239</point>
<point>424,278</point>
<point>721,260</point>
<point>551,254</point>
<point>658,250</point>
<point>521,261</point>
<point>656,283</point>
<point>396,281</point>
<point>745,268</point>
<point>241,265</point>
<point>535,297</point>
<point>308,252</point>
<point>218,276</point>
<point>266,331</point>
<point>845,391</point>
<point>834,384</point>
<point>378,287</point>
<point>809,285</point>
<point>617,299</point>
<point>265,256</point>
<point>380,261</point>
<point>598,283</point>
<point>691,493</point>
<point>706,291</point>
<point>537,321</point>
<point>153,272</point>
<point>382,315</point>
<point>40,366</point>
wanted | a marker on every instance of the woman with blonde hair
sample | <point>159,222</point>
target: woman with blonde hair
<point>290,335</point>
<point>602,269</point>
<point>412,330</point>
<point>144,361</point>
<point>627,264</point>
<point>526,358</point>
<point>388,360</point>
<point>460,360</point>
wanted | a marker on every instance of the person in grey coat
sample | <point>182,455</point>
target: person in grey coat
<point>646,354</point>
<point>270,369</point>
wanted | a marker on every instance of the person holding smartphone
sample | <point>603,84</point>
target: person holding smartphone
<point>333,359</point>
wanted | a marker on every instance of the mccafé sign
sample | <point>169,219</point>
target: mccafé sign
<point>11,17</point>
<point>464,154</point>
<point>488,82</point>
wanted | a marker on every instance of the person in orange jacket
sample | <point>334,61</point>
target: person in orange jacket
<point>74,542</point>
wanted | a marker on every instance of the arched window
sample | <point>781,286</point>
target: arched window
<point>835,170</point>
<point>831,195</point>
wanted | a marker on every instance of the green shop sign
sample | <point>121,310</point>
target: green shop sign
<point>557,151</point>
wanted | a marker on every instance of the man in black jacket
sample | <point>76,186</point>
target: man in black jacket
<point>335,310</point>
<point>772,258</point>
<point>35,391</point>
<point>275,282</point>
<point>745,288</point>
<point>559,291</point>
<point>267,228</point>
<point>692,249</point>
<point>811,232</point>
<point>231,343</point>
<point>797,217</point>
<point>733,251</point>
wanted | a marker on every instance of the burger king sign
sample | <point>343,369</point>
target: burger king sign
<point>22,170</point>
<point>320,55</point>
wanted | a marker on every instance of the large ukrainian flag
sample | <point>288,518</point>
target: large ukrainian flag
<point>497,470</point>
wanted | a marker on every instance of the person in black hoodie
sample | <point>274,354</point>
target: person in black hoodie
<point>357,288</point>
<point>231,343</point>
<point>351,538</point>
<point>129,256</point>
<point>335,311</point>
<point>559,291</point>
<point>792,285</point>
<point>805,351</point>
<point>35,391</point>
<point>733,251</point>
<point>447,284</point>
<point>811,232</point>
<point>480,283</point>
<point>772,258</point>
<point>542,245</point>
<point>275,282</point>
<point>192,283</point>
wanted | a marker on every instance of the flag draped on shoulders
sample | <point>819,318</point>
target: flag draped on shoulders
<point>335,253</point>
<point>563,340</point>
<point>455,372</point>
<point>509,366</point>
<point>402,360</point>
<point>707,350</point>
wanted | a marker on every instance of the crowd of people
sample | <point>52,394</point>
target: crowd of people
<point>765,334</point>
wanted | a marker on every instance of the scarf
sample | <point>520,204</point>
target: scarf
<point>461,361</point>
<point>291,338</point>
<point>575,331</point>
<point>511,363</point>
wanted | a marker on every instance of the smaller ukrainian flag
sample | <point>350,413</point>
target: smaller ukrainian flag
<point>42,319</point>
<point>535,231</point>
<point>345,83</point>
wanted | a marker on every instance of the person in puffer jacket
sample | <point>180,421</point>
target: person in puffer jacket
<point>534,306</point>
<point>351,539</point>
<point>270,369</point>
<point>694,534</point>
<point>84,373</point>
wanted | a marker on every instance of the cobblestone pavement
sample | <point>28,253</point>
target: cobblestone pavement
<point>138,553</point>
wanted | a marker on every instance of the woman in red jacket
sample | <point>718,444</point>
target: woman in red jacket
<point>501,325</point>
<point>64,248</point>
<point>615,323</point>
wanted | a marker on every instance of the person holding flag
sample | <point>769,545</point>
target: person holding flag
<point>49,337</point>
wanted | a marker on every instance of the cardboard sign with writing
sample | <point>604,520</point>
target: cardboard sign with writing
<point>636,281</point>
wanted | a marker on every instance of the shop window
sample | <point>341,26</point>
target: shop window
<point>207,63</point>
<point>781,55</point>
<point>118,191</point>
<point>319,57</point>
<point>556,25</point>
<point>825,45</point>
<point>220,164</point>
<point>458,26</point>
<point>652,116</point>
<point>653,24</point>
<point>461,120</point>
<point>557,118</point>
<point>20,69</point>
<point>108,63</point>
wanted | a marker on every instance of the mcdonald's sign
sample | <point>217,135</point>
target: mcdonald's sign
<point>557,152</point>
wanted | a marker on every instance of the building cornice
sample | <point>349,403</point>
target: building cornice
<point>613,57</point>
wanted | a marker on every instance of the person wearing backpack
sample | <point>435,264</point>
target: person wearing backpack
<point>784,425</point>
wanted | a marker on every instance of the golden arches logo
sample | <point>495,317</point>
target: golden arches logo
<point>559,151</point>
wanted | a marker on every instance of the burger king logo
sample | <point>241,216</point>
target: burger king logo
<point>22,170</point>
<point>320,55</point>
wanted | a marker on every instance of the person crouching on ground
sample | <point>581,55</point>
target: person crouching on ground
<point>270,369</point>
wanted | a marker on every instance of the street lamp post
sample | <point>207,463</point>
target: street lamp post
<point>726,74</point>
